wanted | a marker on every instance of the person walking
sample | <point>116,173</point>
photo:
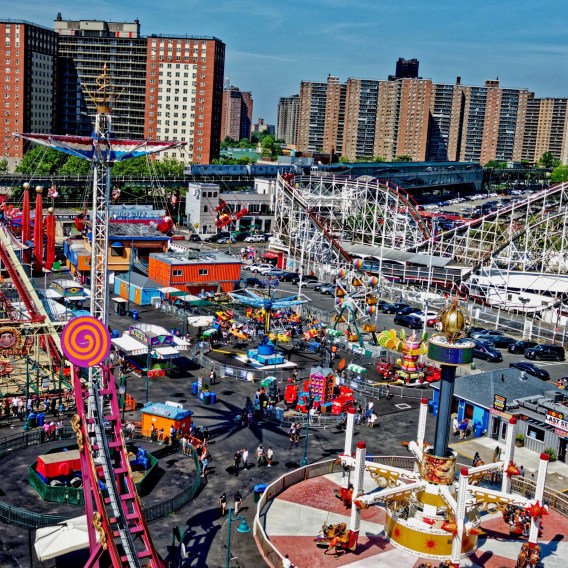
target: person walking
<point>223,503</point>
<point>204,464</point>
<point>236,462</point>
<point>238,501</point>
<point>244,457</point>
<point>260,456</point>
<point>456,426</point>
<point>269,456</point>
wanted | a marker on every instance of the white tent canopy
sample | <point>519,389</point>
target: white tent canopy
<point>62,538</point>
<point>200,321</point>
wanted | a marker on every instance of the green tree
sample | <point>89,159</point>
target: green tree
<point>3,166</point>
<point>379,159</point>
<point>228,142</point>
<point>244,143</point>
<point>134,167</point>
<point>75,166</point>
<point>168,168</point>
<point>559,174</point>
<point>41,160</point>
<point>403,158</point>
<point>548,160</point>
<point>496,164</point>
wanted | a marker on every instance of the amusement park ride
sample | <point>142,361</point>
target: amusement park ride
<point>117,531</point>
<point>428,513</point>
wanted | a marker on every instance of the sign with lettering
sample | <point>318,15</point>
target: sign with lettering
<point>134,214</point>
<point>499,402</point>
<point>504,415</point>
<point>557,422</point>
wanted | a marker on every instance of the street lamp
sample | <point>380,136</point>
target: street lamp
<point>27,392</point>
<point>148,362</point>
<point>122,392</point>
<point>242,528</point>
<point>304,461</point>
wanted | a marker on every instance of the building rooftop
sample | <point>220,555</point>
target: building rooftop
<point>137,279</point>
<point>166,411</point>
<point>178,259</point>
<point>510,383</point>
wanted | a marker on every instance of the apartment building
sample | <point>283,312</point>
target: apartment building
<point>184,94</point>
<point>29,54</point>
<point>236,119</point>
<point>311,116</point>
<point>287,119</point>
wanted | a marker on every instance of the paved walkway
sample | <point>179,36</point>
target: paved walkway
<point>295,517</point>
<point>557,475</point>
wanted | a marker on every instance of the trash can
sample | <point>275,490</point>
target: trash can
<point>32,423</point>
<point>206,398</point>
<point>40,419</point>
<point>135,315</point>
<point>258,491</point>
<point>279,414</point>
<point>477,430</point>
<point>194,388</point>
<point>473,366</point>
<point>431,407</point>
<point>115,334</point>
<point>213,397</point>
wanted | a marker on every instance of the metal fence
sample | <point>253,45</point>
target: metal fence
<point>31,519</point>
<point>554,499</point>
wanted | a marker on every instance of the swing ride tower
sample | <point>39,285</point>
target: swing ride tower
<point>116,523</point>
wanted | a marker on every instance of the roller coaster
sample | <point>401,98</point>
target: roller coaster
<point>513,260</point>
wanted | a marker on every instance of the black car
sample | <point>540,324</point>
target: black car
<point>543,351</point>
<point>475,329</point>
<point>407,311</point>
<point>241,236</point>
<point>486,350</point>
<point>520,346</point>
<point>381,304</point>
<point>194,237</point>
<point>408,320</point>
<point>215,238</point>
<point>290,277</point>
<point>531,369</point>
<point>251,282</point>
<point>394,308</point>
<point>498,340</point>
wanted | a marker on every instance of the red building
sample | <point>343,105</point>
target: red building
<point>210,272</point>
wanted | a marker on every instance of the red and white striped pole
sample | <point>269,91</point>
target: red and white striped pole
<point>509,454</point>
<point>360,458</point>
<point>538,496</point>
<point>460,516</point>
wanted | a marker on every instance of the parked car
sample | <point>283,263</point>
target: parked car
<point>194,237</point>
<point>488,333</point>
<point>320,285</point>
<point>290,277</point>
<point>431,321</point>
<point>216,237</point>
<point>425,316</point>
<point>475,328</point>
<point>267,236</point>
<point>486,350</point>
<point>381,304</point>
<point>254,239</point>
<point>328,290</point>
<point>394,308</point>
<point>408,320</point>
<point>531,369</point>
<point>251,282</point>
<point>520,346</point>
<point>261,268</point>
<point>225,240</point>
<point>546,351</point>
<point>310,278</point>
<point>273,273</point>
<point>311,284</point>
<point>407,311</point>
<point>242,236</point>
<point>498,340</point>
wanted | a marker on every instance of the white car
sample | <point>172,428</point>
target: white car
<point>425,316</point>
<point>261,268</point>
<point>254,239</point>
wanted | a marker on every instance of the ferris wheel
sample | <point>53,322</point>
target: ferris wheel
<point>355,300</point>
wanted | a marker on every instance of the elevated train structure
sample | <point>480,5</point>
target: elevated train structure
<point>512,261</point>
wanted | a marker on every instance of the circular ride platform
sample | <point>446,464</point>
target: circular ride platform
<point>294,518</point>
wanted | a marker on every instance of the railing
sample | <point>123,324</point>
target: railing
<point>31,519</point>
<point>554,499</point>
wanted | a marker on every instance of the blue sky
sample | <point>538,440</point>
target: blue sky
<point>273,45</point>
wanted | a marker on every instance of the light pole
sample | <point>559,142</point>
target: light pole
<point>27,392</point>
<point>304,461</point>
<point>242,528</point>
<point>148,362</point>
<point>122,392</point>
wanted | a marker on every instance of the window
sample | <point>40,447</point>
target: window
<point>178,272</point>
<point>205,209</point>
<point>203,271</point>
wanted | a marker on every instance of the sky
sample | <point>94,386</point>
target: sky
<point>272,45</point>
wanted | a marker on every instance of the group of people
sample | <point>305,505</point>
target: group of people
<point>519,520</point>
<point>461,428</point>
<point>294,433</point>
<point>237,499</point>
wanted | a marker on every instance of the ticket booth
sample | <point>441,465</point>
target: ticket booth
<point>165,415</point>
<point>119,306</point>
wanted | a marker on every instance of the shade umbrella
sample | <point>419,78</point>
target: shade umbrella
<point>200,321</point>
<point>62,538</point>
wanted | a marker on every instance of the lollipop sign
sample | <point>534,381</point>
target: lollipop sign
<point>85,341</point>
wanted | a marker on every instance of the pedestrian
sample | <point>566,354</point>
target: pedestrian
<point>292,433</point>
<point>260,456</point>
<point>269,456</point>
<point>286,563</point>
<point>476,459</point>
<point>373,419</point>
<point>464,424</point>
<point>522,470</point>
<point>204,464</point>
<point>238,501</point>
<point>456,426</point>
<point>236,462</point>
<point>223,503</point>
<point>244,457</point>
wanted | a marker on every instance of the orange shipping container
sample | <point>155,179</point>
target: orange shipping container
<point>163,415</point>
